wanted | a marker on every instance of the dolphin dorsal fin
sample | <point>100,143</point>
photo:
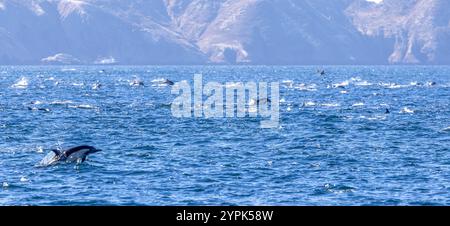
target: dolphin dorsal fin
<point>57,152</point>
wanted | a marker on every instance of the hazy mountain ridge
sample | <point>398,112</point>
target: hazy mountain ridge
<point>224,31</point>
<point>421,28</point>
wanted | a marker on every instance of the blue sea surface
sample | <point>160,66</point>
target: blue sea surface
<point>334,145</point>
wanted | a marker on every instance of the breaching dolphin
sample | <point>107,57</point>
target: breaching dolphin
<point>76,154</point>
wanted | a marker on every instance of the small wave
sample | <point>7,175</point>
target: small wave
<point>21,84</point>
<point>394,85</point>
<point>363,83</point>
<point>374,118</point>
<point>78,84</point>
<point>24,179</point>
<point>61,102</point>
<point>330,105</point>
<point>358,104</point>
<point>304,87</point>
<point>68,69</point>
<point>309,104</point>
<point>336,189</point>
<point>355,81</point>
<point>446,129</point>
<point>83,106</point>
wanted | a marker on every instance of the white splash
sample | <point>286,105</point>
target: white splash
<point>331,105</point>
<point>39,149</point>
<point>363,83</point>
<point>83,106</point>
<point>36,102</point>
<point>415,83</point>
<point>406,110</point>
<point>341,85</point>
<point>288,83</point>
<point>136,82</point>
<point>392,85</point>
<point>373,118</point>
<point>429,84</point>
<point>78,84</point>
<point>21,84</point>
<point>61,102</point>
<point>304,87</point>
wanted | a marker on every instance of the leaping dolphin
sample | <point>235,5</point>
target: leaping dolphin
<point>76,154</point>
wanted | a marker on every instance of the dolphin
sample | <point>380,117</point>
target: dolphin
<point>163,82</point>
<point>168,82</point>
<point>263,101</point>
<point>38,109</point>
<point>76,154</point>
<point>137,82</point>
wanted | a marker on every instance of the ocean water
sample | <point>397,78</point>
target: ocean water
<point>334,146</point>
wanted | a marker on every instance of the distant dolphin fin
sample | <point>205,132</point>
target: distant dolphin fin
<point>56,152</point>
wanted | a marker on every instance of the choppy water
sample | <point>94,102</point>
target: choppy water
<point>335,144</point>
